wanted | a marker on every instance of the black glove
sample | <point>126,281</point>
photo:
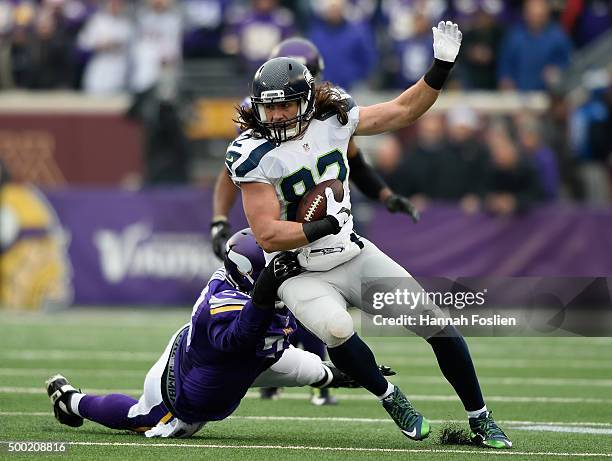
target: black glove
<point>396,203</point>
<point>341,379</point>
<point>284,265</point>
<point>220,231</point>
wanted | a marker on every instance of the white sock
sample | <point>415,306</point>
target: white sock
<point>476,414</point>
<point>75,399</point>
<point>388,392</point>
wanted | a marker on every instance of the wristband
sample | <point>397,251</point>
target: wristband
<point>320,228</point>
<point>438,73</point>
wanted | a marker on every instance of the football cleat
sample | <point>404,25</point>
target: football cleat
<point>270,393</point>
<point>412,423</point>
<point>486,433</point>
<point>59,391</point>
<point>322,397</point>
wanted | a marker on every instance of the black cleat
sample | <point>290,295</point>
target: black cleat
<point>270,393</point>
<point>59,391</point>
<point>341,379</point>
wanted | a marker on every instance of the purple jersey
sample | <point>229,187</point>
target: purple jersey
<point>229,343</point>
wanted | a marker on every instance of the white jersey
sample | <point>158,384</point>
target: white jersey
<point>294,167</point>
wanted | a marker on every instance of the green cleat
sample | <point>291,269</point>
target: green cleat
<point>486,433</point>
<point>412,423</point>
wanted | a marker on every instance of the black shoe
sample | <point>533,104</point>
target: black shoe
<point>341,379</point>
<point>270,393</point>
<point>59,391</point>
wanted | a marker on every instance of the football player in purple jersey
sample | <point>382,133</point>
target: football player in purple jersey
<point>234,341</point>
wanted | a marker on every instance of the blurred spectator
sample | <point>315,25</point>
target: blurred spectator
<point>411,57</point>
<point>555,133</point>
<point>534,52</point>
<point>511,185</point>
<point>46,55</point>
<point>590,136</point>
<point>24,12</point>
<point>399,15</point>
<point>203,24</point>
<point>466,12</point>
<point>585,20</point>
<point>156,50</point>
<point>106,36</point>
<point>390,164</point>
<point>157,58</point>
<point>254,32</point>
<point>408,170</point>
<point>542,157</point>
<point>6,26</point>
<point>459,168</point>
<point>71,13</point>
<point>348,53</point>
<point>479,51</point>
<point>360,11</point>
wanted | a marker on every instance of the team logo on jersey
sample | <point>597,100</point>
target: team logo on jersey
<point>306,147</point>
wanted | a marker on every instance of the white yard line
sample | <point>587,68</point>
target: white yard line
<point>363,397</point>
<point>124,356</point>
<point>46,372</point>
<point>440,451</point>
<point>340,419</point>
<point>566,429</point>
<point>420,379</point>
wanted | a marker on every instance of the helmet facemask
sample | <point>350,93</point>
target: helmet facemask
<point>282,80</point>
<point>284,130</point>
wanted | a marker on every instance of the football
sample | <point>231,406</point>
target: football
<point>313,205</point>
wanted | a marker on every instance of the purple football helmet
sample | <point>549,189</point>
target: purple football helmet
<point>244,259</point>
<point>303,51</point>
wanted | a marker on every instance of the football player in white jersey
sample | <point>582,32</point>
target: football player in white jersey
<point>296,135</point>
<point>225,193</point>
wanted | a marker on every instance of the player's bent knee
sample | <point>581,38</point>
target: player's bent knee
<point>340,328</point>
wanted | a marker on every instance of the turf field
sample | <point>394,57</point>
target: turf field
<point>553,396</point>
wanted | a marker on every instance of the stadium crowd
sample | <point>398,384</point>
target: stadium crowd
<point>114,46</point>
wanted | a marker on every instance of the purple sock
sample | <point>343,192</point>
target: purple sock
<point>112,411</point>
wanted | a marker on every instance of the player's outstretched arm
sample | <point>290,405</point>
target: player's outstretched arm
<point>224,197</point>
<point>417,99</point>
<point>232,333</point>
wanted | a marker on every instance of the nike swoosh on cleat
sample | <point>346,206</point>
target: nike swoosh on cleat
<point>412,433</point>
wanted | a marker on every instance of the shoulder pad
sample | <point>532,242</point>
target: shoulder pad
<point>244,154</point>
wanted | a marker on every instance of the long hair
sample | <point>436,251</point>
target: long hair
<point>327,102</point>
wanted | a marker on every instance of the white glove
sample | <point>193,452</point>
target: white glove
<point>446,41</point>
<point>174,428</point>
<point>339,210</point>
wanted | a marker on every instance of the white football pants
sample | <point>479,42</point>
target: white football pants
<point>319,299</point>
